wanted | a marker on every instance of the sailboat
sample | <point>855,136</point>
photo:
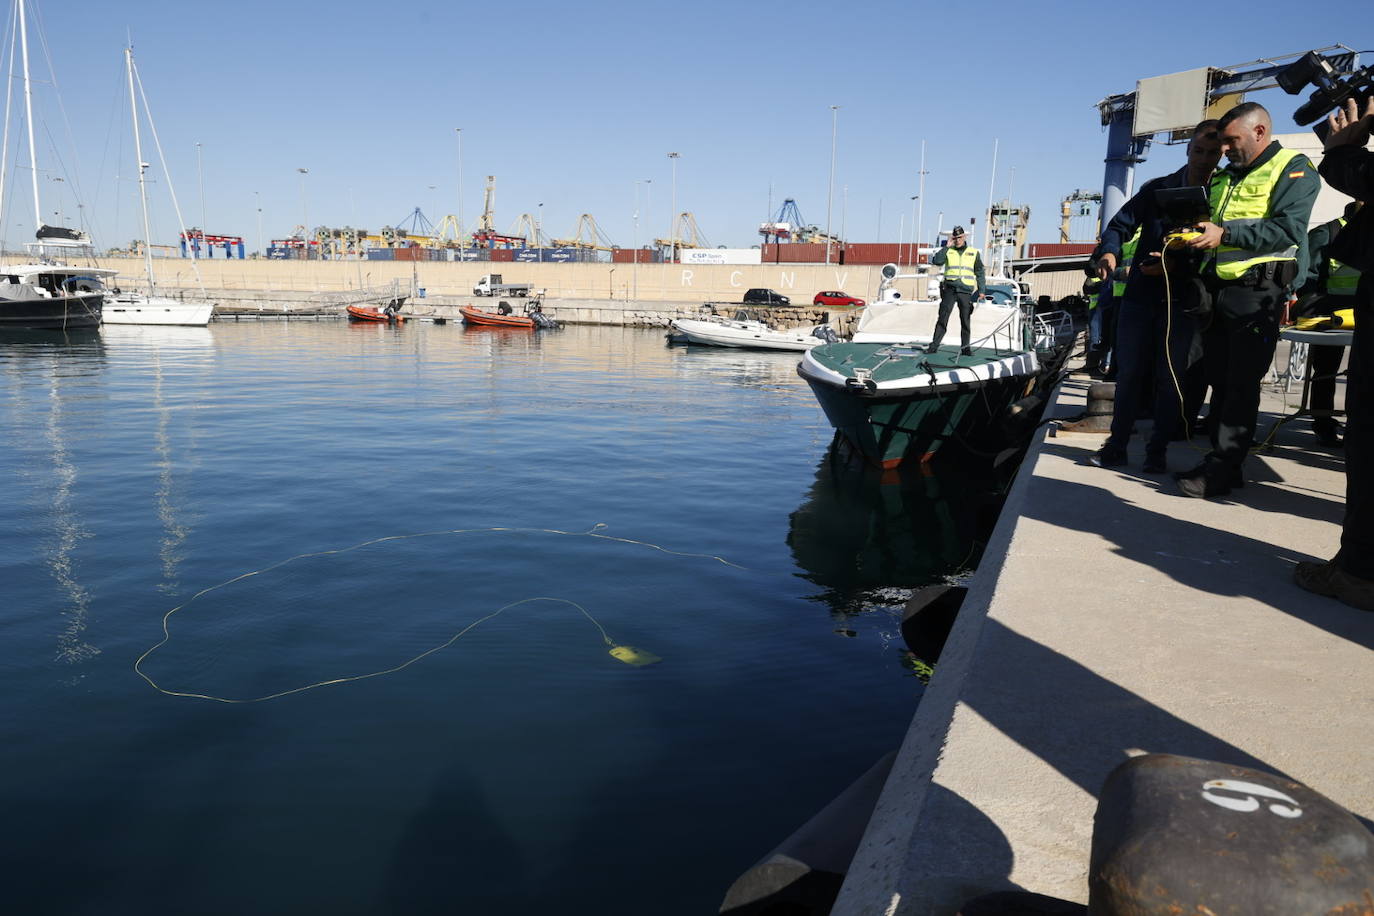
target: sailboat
<point>149,307</point>
<point>47,293</point>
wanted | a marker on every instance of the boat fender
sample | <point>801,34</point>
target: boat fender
<point>928,617</point>
<point>803,874</point>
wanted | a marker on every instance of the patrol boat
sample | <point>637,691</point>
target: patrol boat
<point>891,401</point>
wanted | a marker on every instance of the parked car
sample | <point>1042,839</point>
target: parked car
<point>835,297</point>
<point>765,297</point>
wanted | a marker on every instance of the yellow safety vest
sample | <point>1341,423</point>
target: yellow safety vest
<point>959,266</point>
<point>1341,278</point>
<point>1124,269</point>
<point>1248,201</point>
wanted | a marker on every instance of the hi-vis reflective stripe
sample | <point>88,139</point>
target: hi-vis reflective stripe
<point>1236,203</point>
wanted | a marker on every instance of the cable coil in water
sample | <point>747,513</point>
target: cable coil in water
<point>627,654</point>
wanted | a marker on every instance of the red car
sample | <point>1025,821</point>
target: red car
<point>835,297</point>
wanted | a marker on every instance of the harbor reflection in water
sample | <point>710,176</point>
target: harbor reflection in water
<point>868,537</point>
<point>62,362</point>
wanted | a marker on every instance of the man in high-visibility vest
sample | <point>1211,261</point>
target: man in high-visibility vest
<point>1155,344</point>
<point>962,283</point>
<point>1254,244</point>
<point>1330,286</point>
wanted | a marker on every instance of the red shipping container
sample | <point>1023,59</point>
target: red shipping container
<point>799,253</point>
<point>1061,249</point>
<point>503,254</point>
<point>878,253</point>
<point>631,255</point>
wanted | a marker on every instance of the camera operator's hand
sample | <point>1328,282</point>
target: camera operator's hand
<point>1210,237</point>
<point>1348,127</point>
<point>1105,265</point>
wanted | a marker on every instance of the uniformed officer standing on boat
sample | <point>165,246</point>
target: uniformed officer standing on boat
<point>963,282</point>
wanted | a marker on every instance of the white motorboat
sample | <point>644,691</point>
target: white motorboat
<point>745,330</point>
<point>149,307</point>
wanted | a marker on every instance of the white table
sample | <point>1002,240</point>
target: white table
<point>1334,337</point>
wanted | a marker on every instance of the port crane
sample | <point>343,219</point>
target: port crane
<point>685,235</point>
<point>1085,200</point>
<point>527,228</point>
<point>790,226</point>
<point>486,235</point>
<point>588,236</point>
<point>448,233</point>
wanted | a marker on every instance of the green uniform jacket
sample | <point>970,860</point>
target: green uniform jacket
<point>1290,207</point>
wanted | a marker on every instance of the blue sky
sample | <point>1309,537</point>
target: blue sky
<point>569,104</point>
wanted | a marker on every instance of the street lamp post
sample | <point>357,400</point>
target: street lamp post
<point>921,202</point>
<point>257,197</point>
<point>459,131</point>
<point>305,215</point>
<point>539,228</point>
<point>830,192</point>
<point>672,210</point>
<point>200,174</point>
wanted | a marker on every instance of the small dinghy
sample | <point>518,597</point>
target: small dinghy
<point>505,317</point>
<point>388,315</point>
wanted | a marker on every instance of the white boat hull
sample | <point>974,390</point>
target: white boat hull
<point>750,335</point>
<point>138,309</point>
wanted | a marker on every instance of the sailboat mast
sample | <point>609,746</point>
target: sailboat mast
<point>28,110</point>
<point>142,189</point>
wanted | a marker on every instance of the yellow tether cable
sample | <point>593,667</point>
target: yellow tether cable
<point>627,654</point>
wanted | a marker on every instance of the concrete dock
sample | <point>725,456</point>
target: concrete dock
<point>1121,617</point>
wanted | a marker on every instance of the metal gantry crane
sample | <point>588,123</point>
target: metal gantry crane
<point>486,235</point>
<point>588,236</point>
<point>685,235</point>
<point>1085,199</point>
<point>790,226</point>
<point>1126,148</point>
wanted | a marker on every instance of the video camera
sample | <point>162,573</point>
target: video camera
<point>1331,92</point>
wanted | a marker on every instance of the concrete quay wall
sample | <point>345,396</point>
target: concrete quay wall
<point>609,283</point>
<point>1121,617</point>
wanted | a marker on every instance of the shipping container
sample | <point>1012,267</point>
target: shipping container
<point>503,254</point>
<point>1060,249</point>
<point>861,253</point>
<point>799,253</point>
<point>633,255</point>
<point>379,254</point>
<point>471,254</point>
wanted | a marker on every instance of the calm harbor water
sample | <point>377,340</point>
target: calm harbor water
<point>319,501</point>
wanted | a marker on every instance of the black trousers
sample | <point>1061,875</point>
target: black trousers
<point>1357,534</point>
<point>1326,363</point>
<point>950,294</point>
<point>1154,350</point>
<point>1238,348</point>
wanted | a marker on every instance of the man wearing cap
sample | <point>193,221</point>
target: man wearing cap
<point>962,282</point>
